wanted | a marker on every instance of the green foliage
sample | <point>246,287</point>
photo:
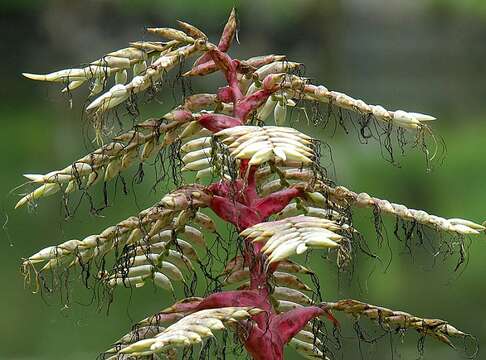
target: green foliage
<point>471,7</point>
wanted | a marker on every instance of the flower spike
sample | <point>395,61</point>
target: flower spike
<point>232,156</point>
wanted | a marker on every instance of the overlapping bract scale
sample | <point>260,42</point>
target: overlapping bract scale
<point>400,118</point>
<point>115,64</point>
<point>283,293</point>
<point>439,329</point>
<point>346,197</point>
<point>140,83</point>
<point>132,147</point>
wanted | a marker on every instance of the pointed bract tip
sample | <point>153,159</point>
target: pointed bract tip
<point>34,76</point>
<point>21,202</point>
<point>93,105</point>
<point>34,177</point>
<point>423,117</point>
<point>169,310</point>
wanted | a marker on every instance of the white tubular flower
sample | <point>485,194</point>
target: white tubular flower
<point>294,236</point>
<point>42,191</point>
<point>275,68</point>
<point>190,330</point>
<point>268,143</point>
<point>307,349</point>
<point>296,296</point>
<point>266,110</point>
<point>280,113</point>
<point>116,95</point>
<point>160,246</point>
<point>83,74</point>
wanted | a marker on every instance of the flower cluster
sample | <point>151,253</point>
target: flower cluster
<point>251,171</point>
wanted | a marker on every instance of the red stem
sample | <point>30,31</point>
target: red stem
<point>218,122</point>
<point>276,202</point>
<point>229,68</point>
<point>250,103</point>
<point>238,202</point>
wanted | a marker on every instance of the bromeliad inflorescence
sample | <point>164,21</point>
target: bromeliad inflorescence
<point>269,184</point>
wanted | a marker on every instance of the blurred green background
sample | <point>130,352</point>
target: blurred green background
<point>417,55</point>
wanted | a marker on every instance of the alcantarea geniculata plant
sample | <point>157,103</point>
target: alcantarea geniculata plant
<point>252,172</point>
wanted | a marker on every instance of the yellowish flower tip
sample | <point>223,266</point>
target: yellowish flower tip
<point>35,76</point>
<point>168,201</point>
<point>21,203</point>
<point>422,117</point>
<point>34,177</point>
<point>42,191</point>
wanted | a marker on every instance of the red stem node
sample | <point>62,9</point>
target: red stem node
<point>218,122</point>
<point>234,212</point>
<point>248,173</point>
<point>250,103</point>
<point>234,298</point>
<point>276,202</point>
<point>226,39</point>
<point>268,343</point>
<point>229,67</point>
<point>202,69</point>
<point>225,94</point>
<point>229,32</point>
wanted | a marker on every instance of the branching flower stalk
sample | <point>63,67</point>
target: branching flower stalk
<point>270,186</point>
